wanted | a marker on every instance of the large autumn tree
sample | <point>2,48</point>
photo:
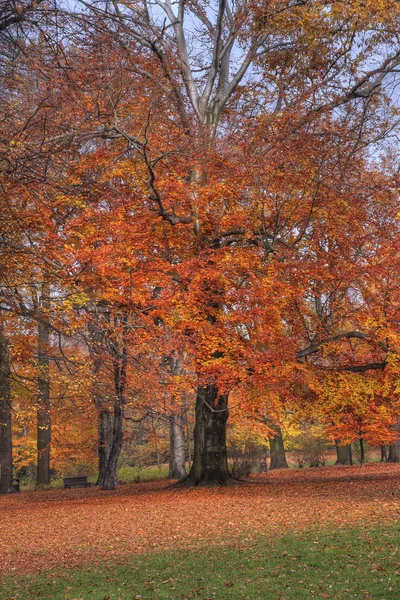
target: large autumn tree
<point>208,151</point>
<point>238,96</point>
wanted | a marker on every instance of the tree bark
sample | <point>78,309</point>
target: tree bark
<point>362,452</point>
<point>43,409</point>
<point>105,431</point>
<point>210,459</point>
<point>342,454</point>
<point>188,436</point>
<point>394,448</point>
<point>384,455</point>
<point>110,471</point>
<point>6,476</point>
<point>104,417</point>
<point>277,451</point>
<point>394,452</point>
<point>177,468</point>
<point>120,361</point>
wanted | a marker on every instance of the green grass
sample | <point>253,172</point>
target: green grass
<point>124,474</point>
<point>338,564</point>
<point>136,475</point>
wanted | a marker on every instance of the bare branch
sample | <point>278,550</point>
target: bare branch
<point>336,338</point>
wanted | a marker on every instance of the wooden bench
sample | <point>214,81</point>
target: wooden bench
<point>70,482</point>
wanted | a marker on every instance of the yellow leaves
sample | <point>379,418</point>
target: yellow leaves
<point>75,301</point>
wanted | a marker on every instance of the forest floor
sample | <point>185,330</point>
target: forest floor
<point>46,530</point>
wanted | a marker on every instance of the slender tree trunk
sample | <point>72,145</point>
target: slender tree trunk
<point>210,462</point>
<point>177,456</point>
<point>105,431</point>
<point>156,443</point>
<point>120,360</point>
<point>188,436</point>
<point>277,451</point>
<point>104,417</point>
<point>384,455</point>
<point>43,409</point>
<point>342,454</point>
<point>362,452</point>
<point>141,432</point>
<point>6,474</point>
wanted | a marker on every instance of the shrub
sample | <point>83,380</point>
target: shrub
<point>129,475</point>
<point>309,450</point>
<point>245,452</point>
<point>138,475</point>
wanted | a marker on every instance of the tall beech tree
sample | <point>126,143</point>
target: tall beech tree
<point>285,65</point>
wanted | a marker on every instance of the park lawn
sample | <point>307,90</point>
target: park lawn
<point>360,561</point>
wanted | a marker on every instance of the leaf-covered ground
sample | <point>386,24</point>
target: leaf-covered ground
<point>66,528</point>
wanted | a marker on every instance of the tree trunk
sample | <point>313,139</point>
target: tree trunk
<point>362,452</point>
<point>277,451</point>
<point>110,471</point>
<point>105,430</point>
<point>120,361</point>
<point>104,417</point>
<point>188,436</point>
<point>394,449</point>
<point>384,455</point>
<point>342,454</point>
<point>210,462</point>
<point>177,457</point>
<point>43,409</point>
<point>6,476</point>
<point>394,452</point>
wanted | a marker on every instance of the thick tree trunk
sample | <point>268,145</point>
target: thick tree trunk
<point>342,454</point>
<point>394,449</point>
<point>394,452</point>
<point>384,455</point>
<point>110,471</point>
<point>105,430</point>
<point>6,474</point>
<point>210,463</point>
<point>277,451</point>
<point>177,457</point>
<point>43,409</point>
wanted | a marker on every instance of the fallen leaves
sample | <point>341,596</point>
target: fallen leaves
<point>65,528</point>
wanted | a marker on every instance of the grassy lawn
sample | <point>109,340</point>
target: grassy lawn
<point>125,475</point>
<point>357,562</point>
